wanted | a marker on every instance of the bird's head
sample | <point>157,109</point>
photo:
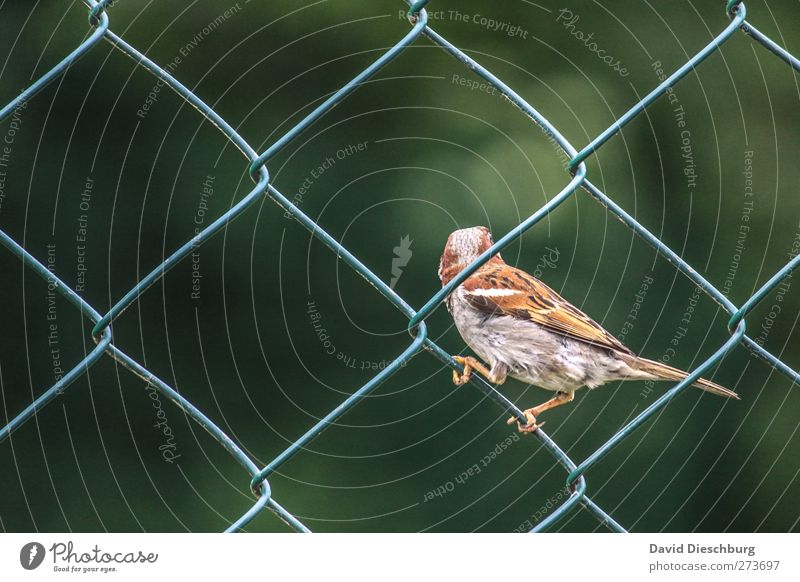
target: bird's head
<point>464,246</point>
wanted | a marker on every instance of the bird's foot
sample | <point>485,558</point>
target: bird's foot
<point>459,379</point>
<point>529,426</point>
<point>497,375</point>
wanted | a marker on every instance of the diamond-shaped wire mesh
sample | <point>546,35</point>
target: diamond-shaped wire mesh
<point>575,178</point>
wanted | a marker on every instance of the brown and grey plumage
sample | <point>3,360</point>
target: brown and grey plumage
<point>524,329</point>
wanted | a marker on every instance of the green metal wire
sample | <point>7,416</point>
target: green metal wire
<point>259,484</point>
<point>100,29</point>
<point>685,69</point>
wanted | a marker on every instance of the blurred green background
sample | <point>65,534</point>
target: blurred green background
<point>436,154</point>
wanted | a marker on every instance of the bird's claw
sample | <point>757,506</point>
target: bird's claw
<point>529,427</point>
<point>459,379</point>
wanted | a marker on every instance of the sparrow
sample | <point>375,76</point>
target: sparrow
<point>524,329</point>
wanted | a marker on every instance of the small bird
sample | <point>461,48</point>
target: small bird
<point>524,329</point>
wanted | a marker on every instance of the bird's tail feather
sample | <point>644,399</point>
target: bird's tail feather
<point>659,371</point>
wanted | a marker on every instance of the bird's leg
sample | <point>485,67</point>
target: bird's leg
<point>497,375</point>
<point>531,413</point>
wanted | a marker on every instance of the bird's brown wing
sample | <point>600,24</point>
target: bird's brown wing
<point>509,291</point>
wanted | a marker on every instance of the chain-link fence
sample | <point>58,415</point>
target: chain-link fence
<point>421,343</point>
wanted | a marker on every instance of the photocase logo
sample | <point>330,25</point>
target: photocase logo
<point>31,555</point>
<point>402,254</point>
